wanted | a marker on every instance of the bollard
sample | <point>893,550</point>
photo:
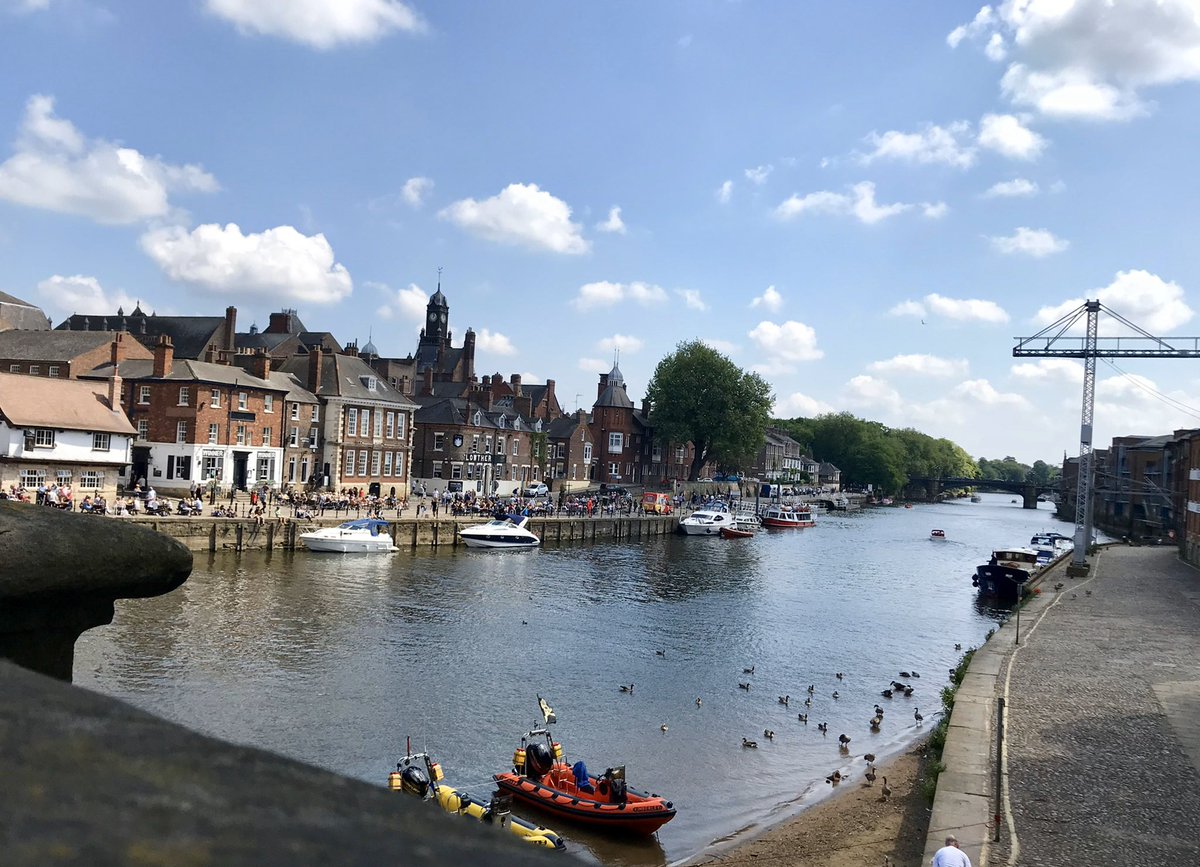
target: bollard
<point>999,767</point>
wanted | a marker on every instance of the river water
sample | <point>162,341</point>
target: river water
<point>334,659</point>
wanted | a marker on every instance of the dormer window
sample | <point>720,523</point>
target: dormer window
<point>517,423</point>
<point>537,425</point>
<point>500,421</point>
<point>371,383</point>
<point>477,419</point>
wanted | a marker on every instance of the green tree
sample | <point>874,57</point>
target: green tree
<point>698,395</point>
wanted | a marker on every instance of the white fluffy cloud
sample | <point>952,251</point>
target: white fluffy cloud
<point>415,190</point>
<point>319,23</point>
<point>872,392</point>
<point>80,294</point>
<point>785,344</point>
<point>770,299</point>
<point>622,342</point>
<point>934,210</point>
<point>859,203</point>
<point>595,365</point>
<point>958,309</point>
<point>1049,370</point>
<point>983,392</point>
<point>56,168</point>
<point>1038,243</point>
<point>1016,188</point>
<point>1089,58</point>
<point>277,264</point>
<point>409,302</point>
<point>1143,298</point>
<point>1006,134</point>
<point>614,223</point>
<point>691,298</point>
<point>798,405</point>
<point>759,174</point>
<point>604,293</point>
<point>921,365</point>
<point>948,145</point>
<point>725,192</point>
<point>494,342</point>
<point>520,214</point>
<point>725,347</point>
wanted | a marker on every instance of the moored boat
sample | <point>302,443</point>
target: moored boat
<point>784,516</point>
<point>541,777</point>
<point>1006,573</point>
<point>937,535</point>
<point>418,775</point>
<point>360,536</point>
<point>508,531</point>
<point>736,533</point>
<point>707,520</point>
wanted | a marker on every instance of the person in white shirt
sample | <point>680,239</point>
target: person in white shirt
<point>950,855</point>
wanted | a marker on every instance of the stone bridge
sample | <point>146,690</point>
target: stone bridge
<point>1029,491</point>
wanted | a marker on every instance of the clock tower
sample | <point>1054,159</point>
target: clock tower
<point>437,316</point>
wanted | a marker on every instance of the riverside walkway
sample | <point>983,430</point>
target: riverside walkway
<point>1102,742</point>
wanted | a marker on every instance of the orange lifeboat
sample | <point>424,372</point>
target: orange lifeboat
<point>542,779</point>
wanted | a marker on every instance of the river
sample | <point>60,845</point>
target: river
<point>334,659</point>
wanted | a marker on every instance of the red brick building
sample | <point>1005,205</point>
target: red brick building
<point>62,354</point>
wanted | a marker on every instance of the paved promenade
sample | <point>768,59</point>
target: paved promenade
<point>1102,763</point>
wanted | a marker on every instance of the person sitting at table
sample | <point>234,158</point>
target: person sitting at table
<point>86,505</point>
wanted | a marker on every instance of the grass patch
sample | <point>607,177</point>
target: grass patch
<point>929,781</point>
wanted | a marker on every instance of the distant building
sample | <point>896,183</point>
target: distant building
<point>571,450</point>
<point>21,315</point>
<point>63,431</point>
<point>613,429</point>
<point>285,336</point>
<point>200,338</point>
<point>62,354</point>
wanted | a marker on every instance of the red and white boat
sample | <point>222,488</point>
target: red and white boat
<point>784,516</point>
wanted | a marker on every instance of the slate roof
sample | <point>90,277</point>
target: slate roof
<point>563,427</point>
<point>459,411</point>
<point>614,395</point>
<point>5,298</point>
<point>343,375</point>
<point>50,345</point>
<point>66,404</point>
<point>187,370</point>
<point>296,392</point>
<point>189,334</point>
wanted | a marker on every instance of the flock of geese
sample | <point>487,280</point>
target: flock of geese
<point>901,687</point>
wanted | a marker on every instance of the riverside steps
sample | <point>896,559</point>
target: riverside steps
<point>1101,749</point>
<point>220,534</point>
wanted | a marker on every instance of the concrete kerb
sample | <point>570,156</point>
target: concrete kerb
<point>962,805</point>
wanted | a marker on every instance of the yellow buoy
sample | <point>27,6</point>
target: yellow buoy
<point>519,758</point>
<point>438,776</point>
<point>395,781</point>
<point>558,752</point>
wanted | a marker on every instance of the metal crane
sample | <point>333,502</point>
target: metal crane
<point>1054,342</point>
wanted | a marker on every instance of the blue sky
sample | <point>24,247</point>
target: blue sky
<point>864,202</point>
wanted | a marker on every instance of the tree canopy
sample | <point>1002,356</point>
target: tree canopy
<point>869,453</point>
<point>698,395</point>
<point>1010,469</point>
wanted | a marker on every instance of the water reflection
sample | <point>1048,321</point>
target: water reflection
<point>334,660</point>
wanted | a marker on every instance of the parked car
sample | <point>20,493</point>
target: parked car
<point>613,490</point>
<point>538,490</point>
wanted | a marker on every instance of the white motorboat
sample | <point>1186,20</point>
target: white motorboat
<point>360,536</point>
<point>708,520</point>
<point>500,532</point>
<point>1051,546</point>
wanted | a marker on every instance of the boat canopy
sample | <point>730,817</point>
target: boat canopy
<point>373,524</point>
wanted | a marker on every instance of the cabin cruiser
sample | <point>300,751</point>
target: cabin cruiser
<point>503,531</point>
<point>1005,574</point>
<point>708,520</point>
<point>1051,546</point>
<point>783,516</point>
<point>360,536</point>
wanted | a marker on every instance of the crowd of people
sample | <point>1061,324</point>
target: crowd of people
<point>266,503</point>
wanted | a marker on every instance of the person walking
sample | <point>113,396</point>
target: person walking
<point>951,855</point>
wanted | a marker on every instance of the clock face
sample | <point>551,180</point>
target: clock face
<point>443,317</point>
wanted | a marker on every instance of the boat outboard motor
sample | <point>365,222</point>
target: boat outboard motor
<point>538,760</point>
<point>414,781</point>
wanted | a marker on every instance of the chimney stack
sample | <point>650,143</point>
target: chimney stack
<point>119,351</point>
<point>469,354</point>
<point>164,357</point>
<point>550,400</point>
<point>114,390</point>
<point>427,389</point>
<point>260,364</point>
<point>514,382</point>
<point>230,328</point>
<point>314,370</point>
<point>603,385</point>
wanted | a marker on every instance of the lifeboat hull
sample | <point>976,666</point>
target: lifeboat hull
<point>556,793</point>
<point>784,524</point>
<point>734,533</point>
